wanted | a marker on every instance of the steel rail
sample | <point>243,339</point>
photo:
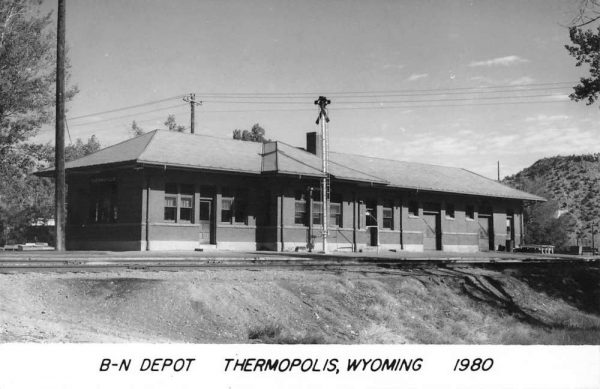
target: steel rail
<point>12,266</point>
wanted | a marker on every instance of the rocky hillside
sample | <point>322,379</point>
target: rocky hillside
<point>499,304</point>
<point>572,186</point>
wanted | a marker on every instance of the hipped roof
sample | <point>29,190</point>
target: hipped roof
<point>168,148</point>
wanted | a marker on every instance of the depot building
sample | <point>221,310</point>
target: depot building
<point>174,191</point>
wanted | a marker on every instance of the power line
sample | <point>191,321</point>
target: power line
<point>68,132</point>
<point>241,94</point>
<point>449,105</point>
<point>112,128</point>
<point>382,101</point>
<point>399,94</point>
<point>335,109</point>
<point>130,115</point>
<point>126,108</point>
<point>385,107</point>
<point>348,94</point>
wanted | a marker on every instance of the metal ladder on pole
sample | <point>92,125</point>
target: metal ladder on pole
<point>323,119</point>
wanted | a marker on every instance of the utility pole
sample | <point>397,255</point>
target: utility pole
<point>498,171</point>
<point>311,244</point>
<point>59,154</point>
<point>192,100</point>
<point>323,119</point>
<point>593,245</point>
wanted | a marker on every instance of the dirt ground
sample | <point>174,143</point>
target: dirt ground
<point>516,304</point>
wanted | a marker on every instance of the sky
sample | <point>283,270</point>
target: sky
<point>440,82</point>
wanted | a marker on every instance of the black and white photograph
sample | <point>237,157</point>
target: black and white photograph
<point>289,174</point>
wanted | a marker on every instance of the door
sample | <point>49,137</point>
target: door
<point>432,233</point>
<point>205,221</point>
<point>373,236</point>
<point>486,234</point>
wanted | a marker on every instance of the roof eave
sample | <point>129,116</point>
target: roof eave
<point>85,169</point>
<point>197,168</point>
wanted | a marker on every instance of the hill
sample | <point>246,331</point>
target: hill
<point>571,184</point>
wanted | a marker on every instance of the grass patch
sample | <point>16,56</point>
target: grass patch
<point>275,334</point>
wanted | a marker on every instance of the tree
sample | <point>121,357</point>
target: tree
<point>80,149</point>
<point>27,86</point>
<point>26,199</point>
<point>588,12</point>
<point>135,129</point>
<point>172,125</point>
<point>27,71</point>
<point>586,50</point>
<point>256,134</point>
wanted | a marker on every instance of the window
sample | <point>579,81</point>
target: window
<point>413,208</point>
<point>300,212</point>
<point>186,209</point>
<point>317,207</point>
<point>335,214</point>
<point>186,205</point>
<point>371,213</point>
<point>170,208</point>
<point>470,212</point>
<point>335,210</point>
<point>103,202</point>
<point>179,203</point>
<point>388,216</point>
<point>449,211</point>
<point>317,212</point>
<point>226,210</point>
<point>300,208</point>
<point>233,206</point>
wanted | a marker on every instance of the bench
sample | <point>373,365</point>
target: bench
<point>536,248</point>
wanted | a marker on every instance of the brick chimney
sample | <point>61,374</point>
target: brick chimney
<point>314,144</point>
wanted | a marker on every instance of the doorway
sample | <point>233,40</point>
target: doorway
<point>486,233</point>
<point>510,231</point>
<point>432,236</point>
<point>206,225</point>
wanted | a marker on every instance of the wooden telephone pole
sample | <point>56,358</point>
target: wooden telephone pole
<point>192,100</point>
<point>59,154</point>
<point>498,171</point>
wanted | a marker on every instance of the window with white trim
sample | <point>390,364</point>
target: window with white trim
<point>388,215</point>
<point>335,211</point>
<point>300,208</point>
<point>234,206</point>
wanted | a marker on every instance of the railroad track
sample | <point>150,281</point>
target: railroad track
<point>100,265</point>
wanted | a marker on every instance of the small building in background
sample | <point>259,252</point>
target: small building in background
<point>174,191</point>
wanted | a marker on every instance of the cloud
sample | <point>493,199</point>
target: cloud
<point>522,81</point>
<point>483,79</point>
<point>516,144</point>
<point>558,97</point>
<point>500,61</point>
<point>415,77</point>
<point>545,118</point>
<point>392,66</point>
